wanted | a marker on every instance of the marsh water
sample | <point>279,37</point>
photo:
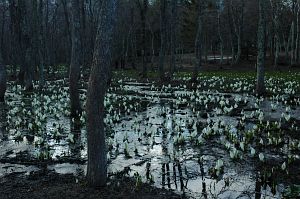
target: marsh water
<point>142,141</point>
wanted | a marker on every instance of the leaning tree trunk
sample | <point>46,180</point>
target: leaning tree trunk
<point>99,77</point>
<point>261,42</point>
<point>74,75</point>
<point>2,79</point>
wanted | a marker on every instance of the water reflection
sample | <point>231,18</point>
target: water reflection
<point>151,132</point>
<point>75,147</point>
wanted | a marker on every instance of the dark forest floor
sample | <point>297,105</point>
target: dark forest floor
<point>55,186</point>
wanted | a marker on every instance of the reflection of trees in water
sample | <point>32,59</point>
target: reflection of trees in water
<point>174,164</point>
<point>165,153</point>
<point>76,147</point>
<point>202,172</point>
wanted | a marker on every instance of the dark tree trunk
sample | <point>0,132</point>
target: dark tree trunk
<point>143,11</point>
<point>41,45</point>
<point>132,39</point>
<point>75,59</point>
<point>83,33</point>
<point>36,52</point>
<point>99,78</point>
<point>144,37</point>
<point>46,25</point>
<point>17,12</point>
<point>2,79</point>
<point>198,43</point>
<point>231,36</point>
<point>261,43</point>
<point>163,18</point>
<point>173,37</point>
<point>68,27</point>
<point>220,39</point>
<point>2,34</point>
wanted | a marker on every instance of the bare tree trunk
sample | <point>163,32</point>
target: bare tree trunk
<point>297,36</point>
<point>46,25</point>
<point>83,33</point>
<point>127,46</point>
<point>2,33</point>
<point>74,75</point>
<point>220,38</point>
<point>163,8</point>
<point>68,27</point>
<point>173,37</point>
<point>198,43</point>
<point>144,53</point>
<point>133,39</point>
<point>17,10</point>
<point>205,47</point>
<point>152,47</point>
<point>292,43</point>
<point>238,23</point>
<point>287,44</point>
<point>231,36</point>
<point>38,39</point>
<point>2,79</point>
<point>277,48</point>
<point>274,6</point>
<point>143,11</point>
<point>99,77</point>
<point>41,45</point>
<point>261,43</point>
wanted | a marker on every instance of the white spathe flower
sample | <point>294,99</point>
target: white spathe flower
<point>207,131</point>
<point>283,166</point>
<point>234,153</point>
<point>228,145</point>
<point>287,117</point>
<point>261,116</point>
<point>273,107</point>
<point>261,141</point>
<point>219,165</point>
<point>261,157</point>
<point>242,145</point>
<point>30,126</point>
<point>71,138</point>
<point>200,140</point>
<point>252,151</point>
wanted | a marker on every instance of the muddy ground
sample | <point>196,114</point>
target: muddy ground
<point>55,186</point>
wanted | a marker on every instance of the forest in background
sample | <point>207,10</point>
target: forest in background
<point>38,33</point>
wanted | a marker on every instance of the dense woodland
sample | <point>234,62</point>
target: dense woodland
<point>94,38</point>
<point>39,33</point>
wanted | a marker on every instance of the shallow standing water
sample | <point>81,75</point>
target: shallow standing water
<point>144,141</point>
